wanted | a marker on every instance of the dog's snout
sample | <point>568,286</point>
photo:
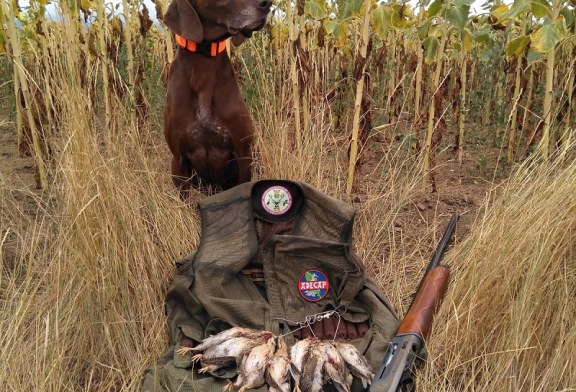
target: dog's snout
<point>265,4</point>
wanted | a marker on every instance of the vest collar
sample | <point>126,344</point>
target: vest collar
<point>228,220</point>
<point>207,48</point>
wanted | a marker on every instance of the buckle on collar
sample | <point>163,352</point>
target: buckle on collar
<point>206,48</point>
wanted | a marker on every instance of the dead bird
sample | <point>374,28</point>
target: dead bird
<point>298,354</point>
<point>253,367</point>
<point>278,369</point>
<point>227,334</point>
<point>356,362</point>
<point>335,369</point>
<point>312,375</point>
<point>228,352</point>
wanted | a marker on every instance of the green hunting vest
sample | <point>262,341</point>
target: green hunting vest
<point>211,291</point>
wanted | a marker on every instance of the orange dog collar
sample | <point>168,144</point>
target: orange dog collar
<point>209,49</point>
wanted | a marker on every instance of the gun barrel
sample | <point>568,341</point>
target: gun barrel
<point>443,244</point>
<point>439,252</point>
<point>418,320</point>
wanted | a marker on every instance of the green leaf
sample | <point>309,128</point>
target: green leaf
<point>431,47</point>
<point>485,55</point>
<point>548,36</point>
<point>434,8</point>
<point>458,16</point>
<point>517,46</point>
<point>380,18</point>
<point>349,8</point>
<point>540,8</point>
<point>401,15</point>
<point>315,8</point>
<point>533,57</point>
<point>569,16</point>
<point>483,36</point>
<point>518,7</point>
<point>500,11</point>
<point>332,27</point>
<point>337,30</point>
<point>435,31</point>
<point>423,28</point>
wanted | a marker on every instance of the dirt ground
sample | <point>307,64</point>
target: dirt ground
<point>17,173</point>
<point>460,188</point>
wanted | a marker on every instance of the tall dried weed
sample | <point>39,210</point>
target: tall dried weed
<point>507,323</point>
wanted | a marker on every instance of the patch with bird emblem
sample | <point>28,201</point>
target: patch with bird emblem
<point>313,285</point>
<point>276,200</point>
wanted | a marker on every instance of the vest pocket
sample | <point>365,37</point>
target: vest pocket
<point>313,276</point>
<point>177,378</point>
<point>363,343</point>
<point>184,361</point>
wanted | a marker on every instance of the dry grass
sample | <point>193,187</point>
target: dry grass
<point>81,290</point>
<point>507,323</point>
<point>82,302</point>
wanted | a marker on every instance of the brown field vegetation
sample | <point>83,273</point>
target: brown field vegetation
<point>86,260</point>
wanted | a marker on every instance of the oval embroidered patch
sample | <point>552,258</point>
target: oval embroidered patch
<point>313,285</point>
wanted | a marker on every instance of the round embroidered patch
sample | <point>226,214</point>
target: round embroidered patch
<point>313,285</point>
<point>276,200</point>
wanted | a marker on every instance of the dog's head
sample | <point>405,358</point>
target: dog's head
<point>199,20</point>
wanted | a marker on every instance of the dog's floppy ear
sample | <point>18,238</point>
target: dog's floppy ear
<point>183,20</point>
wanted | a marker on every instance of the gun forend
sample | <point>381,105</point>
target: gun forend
<point>418,320</point>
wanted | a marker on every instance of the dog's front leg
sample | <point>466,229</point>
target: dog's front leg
<point>180,175</point>
<point>244,169</point>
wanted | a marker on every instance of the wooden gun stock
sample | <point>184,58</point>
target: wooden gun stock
<point>418,320</point>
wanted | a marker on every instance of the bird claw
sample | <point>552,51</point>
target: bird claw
<point>183,350</point>
<point>229,386</point>
<point>196,357</point>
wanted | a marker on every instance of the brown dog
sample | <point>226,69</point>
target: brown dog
<point>206,122</point>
